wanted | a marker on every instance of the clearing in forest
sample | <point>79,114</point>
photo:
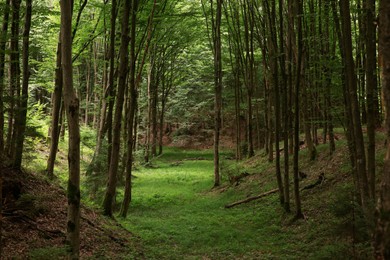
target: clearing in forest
<point>178,216</point>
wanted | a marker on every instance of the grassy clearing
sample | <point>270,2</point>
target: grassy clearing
<point>178,216</point>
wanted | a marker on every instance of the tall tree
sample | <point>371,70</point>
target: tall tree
<point>371,87</point>
<point>285,112</point>
<point>3,41</point>
<point>14,76</point>
<point>22,110</point>
<point>217,87</point>
<point>382,236</point>
<point>72,112</point>
<point>131,113</point>
<point>56,99</point>
<point>123,63</point>
<point>360,159</point>
<point>298,213</point>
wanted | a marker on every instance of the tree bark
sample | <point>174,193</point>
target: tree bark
<point>3,42</point>
<point>298,213</point>
<point>371,86</point>
<point>131,113</point>
<point>55,113</point>
<point>217,88</point>
<point>382,236</point>
<point>22,111</point>
<point>352,92</point>
<point>72,111</point>
<point>114,161</point>
<point>14,78</point>
<point>285,112</point>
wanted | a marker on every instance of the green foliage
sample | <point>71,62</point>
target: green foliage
<point>36,131</point>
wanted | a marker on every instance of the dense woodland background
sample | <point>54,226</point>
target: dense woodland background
<point>120,81</point>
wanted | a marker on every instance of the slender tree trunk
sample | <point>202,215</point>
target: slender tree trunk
<point>276,96</point>
<point>131,114</point>
<point>114,161</point>
<point>14,78</point>
<point>55,113</point>
<point>218,89</point>
<point>285,112</point>
<point>352,91</point>
<point>3,41</point>
<point>382,236</point>
<point>328,80</point>
<point>306,124</point>
<point>371,86</point>
<point>21,126</point>
<point>105,122</point>
<point>72,111</point>
<point>298,213</point>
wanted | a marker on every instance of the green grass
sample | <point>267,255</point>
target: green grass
<point>178,216</point>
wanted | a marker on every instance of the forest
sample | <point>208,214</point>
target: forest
<point>194,129</point>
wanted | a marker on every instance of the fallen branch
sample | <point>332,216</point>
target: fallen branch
<point>251,198</point>
<point>320,180</point>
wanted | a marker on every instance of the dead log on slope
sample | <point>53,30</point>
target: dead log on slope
<point>251,198</point>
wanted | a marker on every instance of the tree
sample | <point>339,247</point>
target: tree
<point>371,87</point>
<point>14,77</point>
<point>356,127</point>
<point>382,236</point>
<point>72,112</point>
<point>217,87</point>
<point>56,112</point>
<point>3,41</point>
<point>123,63</point>
<point>131,112</point>
<point>22,110</point>
<point>298,213</point>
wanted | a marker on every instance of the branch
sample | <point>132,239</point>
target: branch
<point>251,198</point>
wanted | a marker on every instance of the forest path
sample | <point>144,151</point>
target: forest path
<point>178,216</point>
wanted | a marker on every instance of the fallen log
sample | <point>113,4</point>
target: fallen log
<point>251,198</point>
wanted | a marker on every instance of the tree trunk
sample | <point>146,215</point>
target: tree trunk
<point>55,113</point>
<point>72,111</point>
<point>217,88</point>
<point>14,78</point>
<point>298,213</point>
<point>3,41</point>
<point>382,236</point>
<point>352,92</point>
<point>285,112</point>
<point>328,80</point>
<point>131,113</point>
<point>371,86</point>
<point>22,111</point>
<point>114,161</point>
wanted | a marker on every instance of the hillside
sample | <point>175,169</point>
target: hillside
<point>34,223</point>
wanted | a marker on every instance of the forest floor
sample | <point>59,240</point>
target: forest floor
<point>176,214</point>
<point>34,223</point>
